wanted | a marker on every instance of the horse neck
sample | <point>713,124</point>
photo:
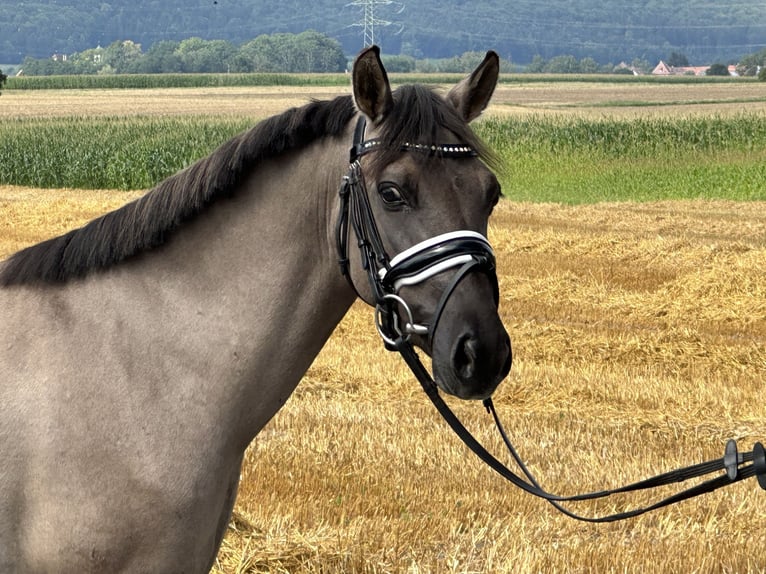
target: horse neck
<point>254,285</point>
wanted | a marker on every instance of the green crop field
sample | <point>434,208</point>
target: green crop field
<point>106,153</point>
<point>545,158</point>
<point>132,81</point>
<point>585,160</point>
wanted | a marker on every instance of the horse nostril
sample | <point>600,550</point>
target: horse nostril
<point>465,355</point>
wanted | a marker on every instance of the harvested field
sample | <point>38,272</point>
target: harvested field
<point>589,98</point>
<point>259,102</point>
<point>639,335</point>
<point>630,99</point>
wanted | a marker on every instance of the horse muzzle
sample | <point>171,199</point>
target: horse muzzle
<point>471,363</point>
<point>469,346</point>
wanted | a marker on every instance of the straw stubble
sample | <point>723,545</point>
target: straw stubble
<point>640,345</point>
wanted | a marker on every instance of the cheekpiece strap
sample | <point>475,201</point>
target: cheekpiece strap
<point>357,149</point>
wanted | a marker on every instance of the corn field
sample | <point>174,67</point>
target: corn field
<point>87,82</point>
<point>544,157</point>
<point>575,159</point>
<point>114,153</point>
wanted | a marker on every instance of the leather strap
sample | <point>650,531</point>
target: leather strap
<point>531,486</point>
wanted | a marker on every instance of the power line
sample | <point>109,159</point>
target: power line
<point>369,20</point>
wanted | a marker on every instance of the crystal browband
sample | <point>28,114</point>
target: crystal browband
<point>441,150</point>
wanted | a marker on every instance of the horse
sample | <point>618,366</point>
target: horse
<point>141,353</point>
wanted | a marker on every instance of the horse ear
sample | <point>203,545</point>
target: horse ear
<point>471,96</point>
<point>372,92</point>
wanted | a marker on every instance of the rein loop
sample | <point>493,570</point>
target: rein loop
<point>731,461</point>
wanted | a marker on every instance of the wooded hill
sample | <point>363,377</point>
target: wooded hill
<point>607,31</point>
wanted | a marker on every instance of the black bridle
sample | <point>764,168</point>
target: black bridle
<point>467,252</point>
<point>464,250</point>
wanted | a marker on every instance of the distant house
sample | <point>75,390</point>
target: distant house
<point>662,69</point>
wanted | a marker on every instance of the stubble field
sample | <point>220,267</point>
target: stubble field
<point>639,335</point>
<point>593,98</point>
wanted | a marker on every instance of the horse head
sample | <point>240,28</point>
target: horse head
<point>421,194</point>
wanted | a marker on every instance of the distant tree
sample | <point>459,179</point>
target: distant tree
<point>121,56</point>
<point>677,60</point>
<point>717,69</point>
<point>463,63</point>
<point>537,65</point>
<point>567,64</point>
<point>588,66</point>
<point>3,77</point>
<point>748,65</point>
<point>258,53</point>
<point>319,53</point>
<point>762,74</point>
<point>401,64</point>
<point>161,58</point>
<point>47,67</point>
<point>305,52</point>
<point>562,65</point>
<point>206,56</point>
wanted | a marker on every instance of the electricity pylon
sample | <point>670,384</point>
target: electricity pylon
<point>369,20</point>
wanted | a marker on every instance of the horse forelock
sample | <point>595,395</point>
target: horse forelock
<point>420,116</point>
<point>148,221</point>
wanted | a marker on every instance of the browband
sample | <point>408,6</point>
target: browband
<point>362,147</point>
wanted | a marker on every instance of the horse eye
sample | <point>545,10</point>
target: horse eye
<point>391,195</point>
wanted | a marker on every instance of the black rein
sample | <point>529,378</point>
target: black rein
<point>730,462</point>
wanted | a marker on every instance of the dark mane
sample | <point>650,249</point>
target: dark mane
<point>419,115</point>
<point>146,222</point>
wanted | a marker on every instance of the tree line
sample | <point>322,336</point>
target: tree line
<point>312,52</point>
<point>308,52</point>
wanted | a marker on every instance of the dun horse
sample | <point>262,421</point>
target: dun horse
<point>141,354</point>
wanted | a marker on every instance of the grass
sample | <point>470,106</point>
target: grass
<point>639,335</point>
<point>584,160</point>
